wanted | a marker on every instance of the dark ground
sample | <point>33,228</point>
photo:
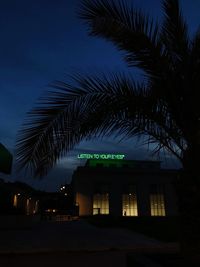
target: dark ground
<point>75,243</point>
<point>75,259</point>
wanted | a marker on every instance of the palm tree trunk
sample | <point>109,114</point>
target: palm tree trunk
<point>189,204</point>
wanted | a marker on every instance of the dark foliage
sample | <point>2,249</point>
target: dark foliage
<point>164,109</point>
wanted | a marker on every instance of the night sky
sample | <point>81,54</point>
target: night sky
<point>42,41</point>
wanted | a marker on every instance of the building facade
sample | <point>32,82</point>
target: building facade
<point>125,188</point>
<point>18,198</point>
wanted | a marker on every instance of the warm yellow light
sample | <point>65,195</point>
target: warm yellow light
<point>129,205</point>
<point>157,202</point>
<point>101,204</point>
<point>15,201</point>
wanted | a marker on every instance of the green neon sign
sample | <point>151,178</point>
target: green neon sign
<point>101,156</point>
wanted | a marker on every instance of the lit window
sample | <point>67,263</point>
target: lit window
<point>15,201</point>
<point>129,201</point>
<point>101,203</point>
<point>129,205</point>
<point>157,200</point>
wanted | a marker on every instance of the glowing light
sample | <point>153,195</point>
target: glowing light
<point>129,205</point>
<point>100,204</point>
<point>15,201</point>
<point>157,202</point>
<point>101,156</point>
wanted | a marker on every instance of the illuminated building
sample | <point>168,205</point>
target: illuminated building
<point>124,188</point>
<point>18,198</point>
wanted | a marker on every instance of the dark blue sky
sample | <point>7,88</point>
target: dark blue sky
<point>42,40</point>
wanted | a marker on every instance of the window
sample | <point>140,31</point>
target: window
<point>15,201</point>
<point>129,201</point>
<point>101,203</point>
<point>157,200</point>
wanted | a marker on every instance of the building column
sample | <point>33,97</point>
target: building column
<point>115,200</point>
<point>143,199</point>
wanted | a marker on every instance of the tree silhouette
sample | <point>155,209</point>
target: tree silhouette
<point>6,159</point>
<point>164,108</point>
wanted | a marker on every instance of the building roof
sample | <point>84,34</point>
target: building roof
<point>135,164</point>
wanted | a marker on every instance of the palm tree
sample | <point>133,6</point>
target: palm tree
<point>164,107</point>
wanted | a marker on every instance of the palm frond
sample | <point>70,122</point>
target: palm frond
<point>129,29</point>
<point>153,125</point>
<point>68,115</point>
<point>174,33</point>
<point>95,106</point>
